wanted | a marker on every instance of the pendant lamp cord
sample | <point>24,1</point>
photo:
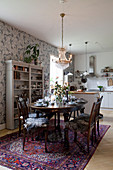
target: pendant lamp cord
<point>86,54</point>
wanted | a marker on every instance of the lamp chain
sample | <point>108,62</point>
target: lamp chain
<point>62,15</point>
<point>62,32</point>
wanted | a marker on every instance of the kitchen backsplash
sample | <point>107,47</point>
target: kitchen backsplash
<point>94,82</point>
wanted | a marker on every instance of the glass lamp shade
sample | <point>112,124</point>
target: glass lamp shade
<point>61,65</point>
<point>62,57</point>
<point>70,74</point>
<point>85,73</point>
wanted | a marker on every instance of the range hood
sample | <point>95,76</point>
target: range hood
<point>91,66</point>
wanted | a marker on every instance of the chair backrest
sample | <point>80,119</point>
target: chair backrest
<point>100,99</point>
<point>22,107</point>
<point>94,112</point>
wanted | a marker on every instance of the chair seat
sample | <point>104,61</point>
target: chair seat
<point>71,125</point>
<point>32,115</point>
<point>82,125</point>
<point>78,125</point>
<point>35,122</point>
<point>84,116</point>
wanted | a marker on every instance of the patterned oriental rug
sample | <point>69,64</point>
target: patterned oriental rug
<point>35,158</point>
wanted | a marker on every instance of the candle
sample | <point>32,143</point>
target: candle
<point>52,98</point>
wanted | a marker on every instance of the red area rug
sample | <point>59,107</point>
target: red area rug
<point>35,158</point>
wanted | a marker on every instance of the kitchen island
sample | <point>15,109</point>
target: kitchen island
<point>89,96</point>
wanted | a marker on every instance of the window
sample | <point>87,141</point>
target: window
<point>56,74</point>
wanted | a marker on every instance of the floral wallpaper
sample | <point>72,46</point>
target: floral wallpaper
<point>12,46</point>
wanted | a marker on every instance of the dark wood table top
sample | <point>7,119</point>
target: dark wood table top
<point>58,108</point>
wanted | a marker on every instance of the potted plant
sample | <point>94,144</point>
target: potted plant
<point>33,52</point>
<point>100,88</point>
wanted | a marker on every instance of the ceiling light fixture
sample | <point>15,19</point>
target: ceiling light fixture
<point>70,74</point>
<point>62,61</point>
<point>63,1</point>
<point>70,51</point>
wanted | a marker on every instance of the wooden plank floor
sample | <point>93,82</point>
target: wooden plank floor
<point>103,157</point>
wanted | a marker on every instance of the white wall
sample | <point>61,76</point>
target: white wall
<point>102,60</point>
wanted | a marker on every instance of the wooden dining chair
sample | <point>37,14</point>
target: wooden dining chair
<point>86,115</point>
<point>31,123</point>
<point>83,124</point>
<point>98,114</point>
<point>23,112</point>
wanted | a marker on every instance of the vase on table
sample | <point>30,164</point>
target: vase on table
<point>59,100</point>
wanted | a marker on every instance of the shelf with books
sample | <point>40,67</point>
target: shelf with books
<point>21,78</point>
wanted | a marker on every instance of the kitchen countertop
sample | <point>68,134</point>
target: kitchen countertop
<point>84,92</point>
<point>106,91</point>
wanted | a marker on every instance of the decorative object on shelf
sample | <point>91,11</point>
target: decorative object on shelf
<point>106,69</point>
<point>62,61</point>
<point>111,69</point>
<point>33,52</point>
<point>100,88</point>
<point>110,82</point>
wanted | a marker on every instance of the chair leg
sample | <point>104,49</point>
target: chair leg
<point>66,141</point>
<point>24,138</point>
<point>88,140</point>
<point>75,136</point>
<point>95,131</point>
<point>74,115</point>
<point>77,113</point>
<point>28,136</point>
<point>98,127</point>
<point>92,136</point>
<point>46,137</point>
<point>19,127</point>
<point>33,132</point>
<point>55,121</point>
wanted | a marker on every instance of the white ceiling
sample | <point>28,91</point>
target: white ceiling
<point>85,20</point>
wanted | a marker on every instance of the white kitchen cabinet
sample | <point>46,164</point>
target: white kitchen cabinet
<point>107,101</point>
<point>90,97</point>
<point>110,99</point>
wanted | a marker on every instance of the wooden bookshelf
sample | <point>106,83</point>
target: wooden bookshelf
<point>21,78</point>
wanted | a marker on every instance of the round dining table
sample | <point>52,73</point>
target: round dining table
<point>57,110</point>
